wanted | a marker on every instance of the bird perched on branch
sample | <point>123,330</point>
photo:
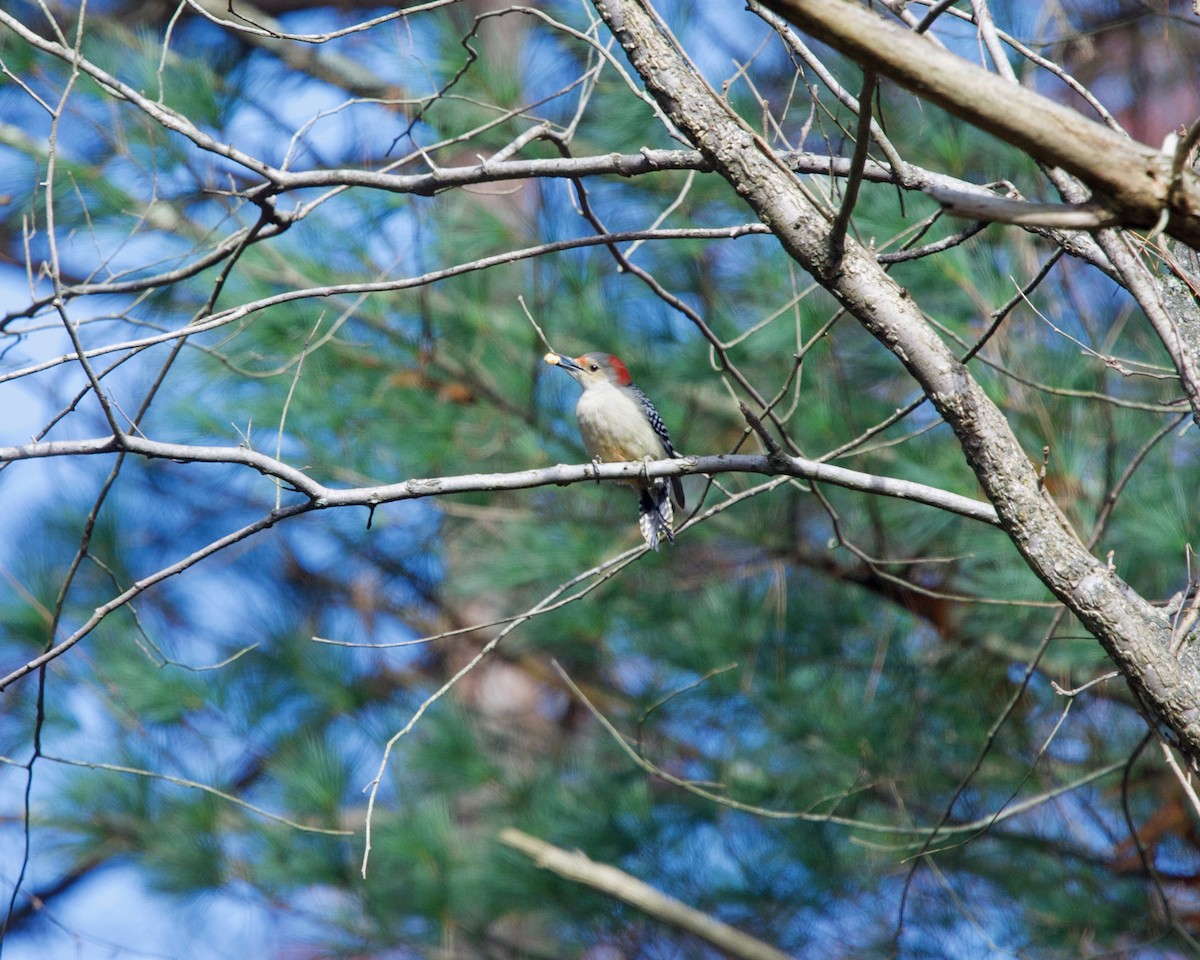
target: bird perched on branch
<point>619,424</point>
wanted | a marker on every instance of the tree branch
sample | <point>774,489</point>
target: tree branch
<point>1133,633</point>
<point>321,496</point>
<point>621,886</point>
<point>1064,216</point>
<point>1132,178</point>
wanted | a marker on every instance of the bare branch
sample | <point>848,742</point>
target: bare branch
<point>620,885</point>
<point>1131,178</point>
<point>161,114</point>
<point>1023,213</point>
<point>234,314</point>
<point>192,785</point>
<point>1132,631</point>
<point>144,584</point>
<point>321,496</point>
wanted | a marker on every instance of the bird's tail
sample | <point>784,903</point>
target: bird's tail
<point>655,515</point>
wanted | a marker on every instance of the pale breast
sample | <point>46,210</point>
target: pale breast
<point>614,428</point>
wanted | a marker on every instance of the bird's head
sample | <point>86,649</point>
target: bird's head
<point>593,369</point>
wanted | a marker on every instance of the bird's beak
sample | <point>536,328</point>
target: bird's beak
<point>558,360</point>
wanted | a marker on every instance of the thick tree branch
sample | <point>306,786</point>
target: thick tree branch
<point>1130,177</point>
<point>1148,291</point>
<point>1133,633</point>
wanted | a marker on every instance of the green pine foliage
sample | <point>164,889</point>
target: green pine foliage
<point>822,667</point>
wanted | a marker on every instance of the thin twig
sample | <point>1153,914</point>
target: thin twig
<point>841,222</point>
<point>191,785</point>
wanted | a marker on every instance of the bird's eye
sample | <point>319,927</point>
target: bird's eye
<point>594,367</point>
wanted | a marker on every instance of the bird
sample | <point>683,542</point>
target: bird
<point>618,423</point>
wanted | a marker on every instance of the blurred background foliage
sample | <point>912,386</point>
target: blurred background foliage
<point>819,655</point>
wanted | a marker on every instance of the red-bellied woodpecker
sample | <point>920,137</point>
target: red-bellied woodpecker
<point>619,424</point>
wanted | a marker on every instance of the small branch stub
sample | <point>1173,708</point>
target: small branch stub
<point>774,451</point>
